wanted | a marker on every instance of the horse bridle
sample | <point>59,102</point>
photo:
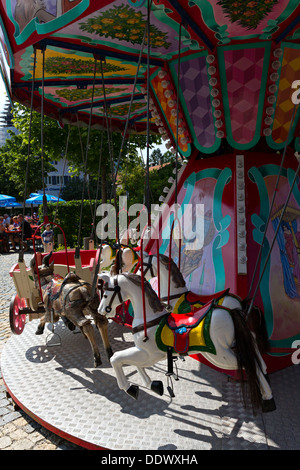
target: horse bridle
<point>116,292</point>
<point>149,266</point>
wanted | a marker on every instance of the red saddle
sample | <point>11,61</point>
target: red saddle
<point>188,320</point>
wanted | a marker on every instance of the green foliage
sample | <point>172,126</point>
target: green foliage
<point>74,187</point>
<point>67,216</point>
<point>6,184</point>
<point>14,155</point>
<point>131,182</point>
<point>132,178</point>
<point>158,179</point>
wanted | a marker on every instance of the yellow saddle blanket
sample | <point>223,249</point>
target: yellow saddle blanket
<point>186,332</point>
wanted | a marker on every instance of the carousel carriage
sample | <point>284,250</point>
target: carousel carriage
<point>28,297</point>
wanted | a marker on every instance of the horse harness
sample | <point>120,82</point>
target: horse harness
<point>149,266</point>
<point>53,297</point>
<point>117,292</point>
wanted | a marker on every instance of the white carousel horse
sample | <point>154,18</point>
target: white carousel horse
<point>108,254</point>
<point>129,259</point>
<point>146,353</point>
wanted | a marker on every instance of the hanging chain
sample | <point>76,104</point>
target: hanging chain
<point>85,163</point>
<point>21,253</point>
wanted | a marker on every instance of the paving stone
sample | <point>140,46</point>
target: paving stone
<point>5,441</point>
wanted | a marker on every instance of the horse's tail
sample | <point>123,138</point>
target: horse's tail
<point>247,359</point>
<point>256,323</point>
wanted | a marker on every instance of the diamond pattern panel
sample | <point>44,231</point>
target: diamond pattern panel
<point>243,69</point>
<point>195,89</point>
<point>290,71</point>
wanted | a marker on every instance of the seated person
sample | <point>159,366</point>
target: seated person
<point>27,233</point>
<point>4,238</point>
<point>35,219</point>
<point>15,223</point>
<point>47,236</point>
<point>6,220</point>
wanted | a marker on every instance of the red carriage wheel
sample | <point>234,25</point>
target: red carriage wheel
<point>17,321</point>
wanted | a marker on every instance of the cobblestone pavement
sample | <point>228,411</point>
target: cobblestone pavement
<point>238,429</point>
<point>17,430</point>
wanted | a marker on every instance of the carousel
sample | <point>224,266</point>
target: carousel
<point>215,276</point>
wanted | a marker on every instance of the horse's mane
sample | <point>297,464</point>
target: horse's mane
<point>153,299</point>
<point>116,266</point>
<point>175,272</point>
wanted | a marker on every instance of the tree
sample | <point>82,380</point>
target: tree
<point>131,181</point>
<point>75,187</point>
<point>156,157</point>
<point>14,154</point>
<point>132,178</point>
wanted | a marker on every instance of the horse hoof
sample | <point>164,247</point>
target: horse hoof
<point>133,391</point>
<point>69,324</point>
<point>267,379</point>
<point>39,331</point>
<point>97,362</point>
<point>109,353</point>
<point>157,387</point>
<point>268,405</point>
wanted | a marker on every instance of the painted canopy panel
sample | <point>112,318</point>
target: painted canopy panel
<point>227,65</point>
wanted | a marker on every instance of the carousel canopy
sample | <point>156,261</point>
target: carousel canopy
<point>214,70</point>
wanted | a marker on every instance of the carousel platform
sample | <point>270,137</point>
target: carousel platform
<point>58,387</point>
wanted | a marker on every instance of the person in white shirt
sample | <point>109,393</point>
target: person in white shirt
<point>47,236</point>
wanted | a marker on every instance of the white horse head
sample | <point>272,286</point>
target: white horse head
<point>129,259</point>
<point>107,256</point>
<point>128,286</point>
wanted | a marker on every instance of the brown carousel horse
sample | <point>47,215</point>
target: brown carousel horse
<point>70,298</point>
